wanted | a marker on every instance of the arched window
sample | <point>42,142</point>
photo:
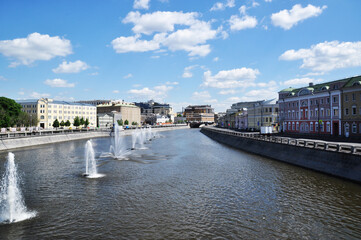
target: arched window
<point>311,126</point>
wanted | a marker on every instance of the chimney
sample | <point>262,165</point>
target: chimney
<point>310,84</point>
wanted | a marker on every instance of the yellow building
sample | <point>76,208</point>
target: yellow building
<point>48,110</point>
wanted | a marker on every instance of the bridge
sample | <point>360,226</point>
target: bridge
<point>198,124</point>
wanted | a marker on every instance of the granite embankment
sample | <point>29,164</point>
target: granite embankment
<point>341,160</point>
<point>29,141</point>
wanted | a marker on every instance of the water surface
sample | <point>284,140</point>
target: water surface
<point>184,186</point>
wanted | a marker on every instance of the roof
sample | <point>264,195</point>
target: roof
<point>117,105</point>
<point>323,86</point>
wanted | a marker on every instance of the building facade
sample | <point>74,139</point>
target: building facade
<point>128,111</point>
<point>351,107</point>
<point>326,109</point>
<point>48,110</point>
<point>199,113</point>
<point>263,114</point>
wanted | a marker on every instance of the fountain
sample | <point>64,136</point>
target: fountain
<point>135,137</point>
<point>12,207</point>
<point>90,163</point>
<point>138,138</point>
<point>117,149</point>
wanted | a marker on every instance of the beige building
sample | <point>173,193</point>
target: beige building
<point>199,113</point>
<point>48,110</point>
<point>128,111</point>
<point>263,114</point>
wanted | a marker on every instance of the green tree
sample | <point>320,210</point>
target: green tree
<point>76,121</point>
<point>56,123</point>
<point>86,123</point>
<point>62,123</point>
<point>134,123</point>
<point>179,115</point>
<point>67,123</point>
<point>120,122</point>
<point>9,112</point>
<point>126,122</point>
<point>82,122</point>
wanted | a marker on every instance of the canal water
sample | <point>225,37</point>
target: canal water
<point>185,186</point>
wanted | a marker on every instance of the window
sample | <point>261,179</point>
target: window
<point>316,126</point>
<point>311,113</point>
<point>353,110</point>
<point>321,101</point>
<point>297,126</point>
<point>327,100</point>
<point>293,125</point>
<point>42,117</point>
<point>359,128</point>
<point>346,97</point>
<point>346,111</point>
<point>328,127</point>
<point>335,112</point>
<point>322,112</point>
<point>322,127</point>
<point>354,128</point>
<point>353,97</point>
<point>306,112</point>
<point>311,126</point>
<point>334,99</point>
<point>311,102</point>
<point>328,112</point>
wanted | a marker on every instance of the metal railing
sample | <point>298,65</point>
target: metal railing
<point>36,133</point>
<point>306,143</point>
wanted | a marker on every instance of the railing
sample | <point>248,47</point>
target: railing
<point>306,143</point>
<point>36,133</point>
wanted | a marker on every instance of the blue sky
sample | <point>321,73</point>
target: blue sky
<point>176,51</point>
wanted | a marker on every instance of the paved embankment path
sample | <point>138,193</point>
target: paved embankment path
<point>29,141</point>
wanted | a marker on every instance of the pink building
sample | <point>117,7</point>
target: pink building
<point>314,109</point>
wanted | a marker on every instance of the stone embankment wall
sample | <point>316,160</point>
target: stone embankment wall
<point>9,144</point>
<point>28,141</point>
<point>339,160</point>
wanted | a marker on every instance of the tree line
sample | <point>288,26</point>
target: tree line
<point>76,123</point>
<point>11,115</point>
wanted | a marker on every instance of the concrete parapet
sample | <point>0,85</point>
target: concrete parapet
<point>339,160</point>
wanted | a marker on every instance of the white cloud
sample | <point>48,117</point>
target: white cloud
<point>221,6</point>
<point>157,93</point>
<point>59,83</point>
<point>268,0</point>
<point>159,21</point>
<point>133,44</point>
<point>39,95</point>
<point>239,23</point>
<point>155,57</point>
<point>34,47</point>
<point>286,19</point>
<point>235,78</point>
<point>327,56</point>
<point>255,4</point>
<point>2,78</point>
<point>227,92</point>
<point>187,72</point>
<point>163,25</point>
<point>128,76</point>
<point>94,74</point>
<point>115,91</point>
<point>298,81</point>
<point>141,4</point>
<point>215,59</point>
<point>71,67</point>
<point>21,93</point>
<point>314,74</point>
<point>172,83</point>
<point>201,95</point>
